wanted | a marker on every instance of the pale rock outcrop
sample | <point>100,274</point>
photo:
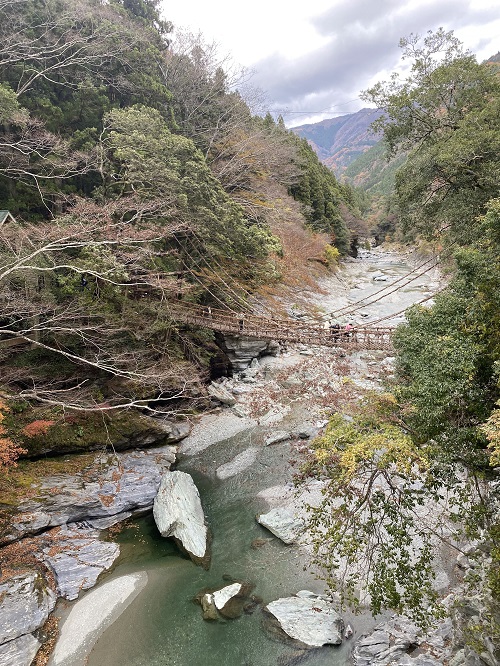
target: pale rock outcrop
<point>80,559</point>
<point>284,523</point>
<point>19,652</point>
<point>241,349</point>
<point>118,486</point>
<point>26,602</point>
<point>178,513</point>
<point>308,618</point>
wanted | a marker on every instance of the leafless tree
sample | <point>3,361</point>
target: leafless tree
<point>83,288</point>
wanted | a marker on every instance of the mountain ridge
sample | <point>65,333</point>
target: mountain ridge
<point>339,141</point>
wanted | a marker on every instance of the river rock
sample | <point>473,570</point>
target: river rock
<point>228,602</point>
<point>389,644</point>
<point>19,652</point>
<point>306,431</point>
<point>26,602</point>
<point>283,523</point>
<point>209,608</point>
<point>309,619</point>
<point>238,464</point>
<point>178,513</point>
<point>241,350</point>
<point>221,394</point>
<point>277,437</point>
<point>80,558</point>
<point>111,486</point>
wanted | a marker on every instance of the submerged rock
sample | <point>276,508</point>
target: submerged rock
<point>178,513</point>
<point>237,464</point>
<point>283,523</point>
<point>308,618</point>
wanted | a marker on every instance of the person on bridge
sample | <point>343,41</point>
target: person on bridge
<point>348,329</point>
<point>335,330</point>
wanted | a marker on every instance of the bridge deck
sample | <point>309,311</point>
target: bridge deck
<point>283,330</point>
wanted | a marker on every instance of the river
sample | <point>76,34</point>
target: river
<point>163,626</point>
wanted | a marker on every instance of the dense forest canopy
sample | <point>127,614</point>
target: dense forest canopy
<point>136,174</point>
<point>434,435</point>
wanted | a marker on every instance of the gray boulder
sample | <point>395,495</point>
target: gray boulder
<point>114,486</point>
<point>241,350</point>
<point>178,513</point>
<point>283,523</point>
<point>306,431</point>
<point>80,559</point>
<point>277,437</point>
<point>26,602</point>
<point>221,394</point>
<point>19,652</point>
<point>309,619</point>
<point>209,608</point>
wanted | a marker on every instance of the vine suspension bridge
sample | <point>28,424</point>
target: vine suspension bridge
<point>282,329</point>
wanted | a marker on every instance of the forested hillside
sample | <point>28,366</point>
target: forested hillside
<point>434,436</point>
<point>135,174</point>
<point>340,141</point>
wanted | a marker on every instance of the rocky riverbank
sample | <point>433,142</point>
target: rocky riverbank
<point>56,543</point>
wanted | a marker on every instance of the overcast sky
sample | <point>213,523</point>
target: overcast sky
<point>312,58</point>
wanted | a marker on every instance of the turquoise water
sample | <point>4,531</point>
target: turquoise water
<point>163,626</point>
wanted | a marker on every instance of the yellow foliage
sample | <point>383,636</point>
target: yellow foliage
<point>332,256</point>
<point>351,447</point>
<point>492,431</point>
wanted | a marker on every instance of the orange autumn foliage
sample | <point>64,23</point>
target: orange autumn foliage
<point>35,428</point>
<point>9,450</point>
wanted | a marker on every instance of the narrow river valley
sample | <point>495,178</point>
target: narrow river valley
<point>163,626</point>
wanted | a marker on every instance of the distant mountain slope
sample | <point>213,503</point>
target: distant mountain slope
<point>339,141</point>
<point>371,171</point>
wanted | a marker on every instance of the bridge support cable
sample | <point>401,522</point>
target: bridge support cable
<point>243,324</point>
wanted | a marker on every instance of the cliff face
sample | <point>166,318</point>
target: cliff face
<point>339,141</point>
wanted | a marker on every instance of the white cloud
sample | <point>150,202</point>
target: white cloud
<point>316,56</point>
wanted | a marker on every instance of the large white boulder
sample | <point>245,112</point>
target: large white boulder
<point>309,619</point>
<point>284,523</point>
<point>178,513</point>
